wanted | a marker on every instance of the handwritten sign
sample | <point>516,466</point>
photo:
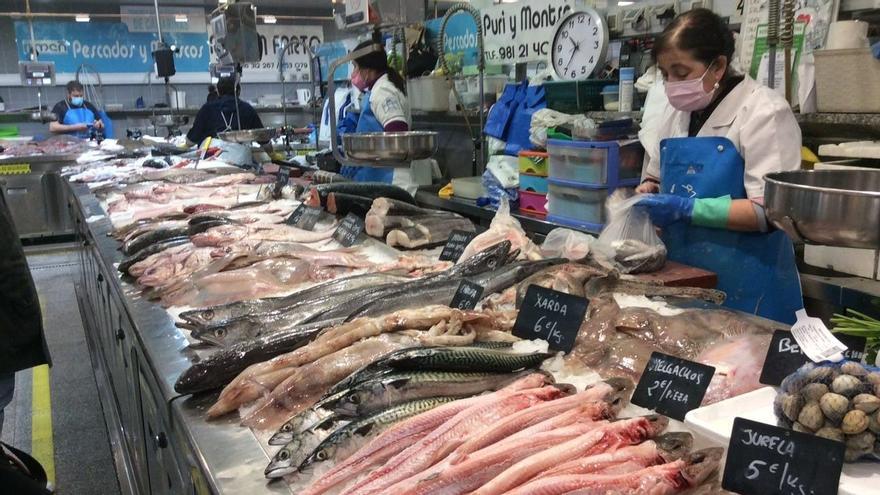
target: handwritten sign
<point>765,459</point>
<point>785,356</point>
<point>550,315</point>
<point>521,32</point>
<point>458,240</point>
<point>349,231</point>
<point>467,296</point>
<point>304,217</point>
<point>672,386</point>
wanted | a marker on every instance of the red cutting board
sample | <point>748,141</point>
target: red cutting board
<point>677,275</point>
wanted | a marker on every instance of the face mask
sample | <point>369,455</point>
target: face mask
<point>689,95</point>
<point>358,81</point>
<point>76,101</point>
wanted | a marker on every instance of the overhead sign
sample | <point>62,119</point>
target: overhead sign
<point>299,40</point>
<point>461,36</point>
<point>109,47</point>
<point>521,32</point>
<point>142,19</point>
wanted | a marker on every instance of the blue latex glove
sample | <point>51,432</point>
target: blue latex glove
<point>875,49</point>
<point>666,209</point>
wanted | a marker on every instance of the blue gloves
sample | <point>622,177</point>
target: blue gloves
<point>875,49</point>
<point>666,209</point>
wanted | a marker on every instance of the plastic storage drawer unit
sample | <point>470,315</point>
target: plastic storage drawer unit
<point>532,202</point>
<point>533,183</point>
<point>534,163</point>
<point>577,205</point>
<point>596,162</point>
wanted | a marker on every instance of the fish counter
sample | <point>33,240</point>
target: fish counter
<point>263,334</point>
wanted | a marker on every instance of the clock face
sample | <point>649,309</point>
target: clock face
<point>579,45</point>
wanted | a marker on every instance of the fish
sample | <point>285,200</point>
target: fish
<point>391,207</point>
<point>318,193</point>
<point>407,433</point>
<point>427,231</point>
<point>664,479</point>
<point>343,204</point>
<point>387,390</point>
<point>138,243</point>
<point>296,451</point>
<point>150,250</point>
<point>344,441</point>
<point>305,420</point>
<point>468,358</point>
<point>635,256</point>
<point>597,286</point>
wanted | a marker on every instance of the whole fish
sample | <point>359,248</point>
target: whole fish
<point>665,479</point>
<point>343,204</point>
<point>150,250</point>
<point>303,421</point>
<point>294,452</point>
<point>138,243</point>
<point>385,391</point>
<point>318,193</point>
<point>222,366</point>
<point>387,206</point>
<point>344,441</point>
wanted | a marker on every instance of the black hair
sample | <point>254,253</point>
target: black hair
<point>74,86</point>
<point>379,61</point>
<point>700,32</point>
<point>212,92</point>
<point>226,86</point>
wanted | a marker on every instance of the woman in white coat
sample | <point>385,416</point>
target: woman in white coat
<point>719,135</point>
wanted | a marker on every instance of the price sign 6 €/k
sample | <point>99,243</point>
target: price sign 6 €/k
<point>552,316</point>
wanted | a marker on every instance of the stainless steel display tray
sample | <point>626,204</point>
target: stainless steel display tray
<point>390,148</point>
<point>249,135</point>
<point>830,207</point>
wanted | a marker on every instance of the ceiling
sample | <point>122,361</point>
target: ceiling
<point>288,7</point>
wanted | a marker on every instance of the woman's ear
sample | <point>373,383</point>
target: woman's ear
<point>720,67</point>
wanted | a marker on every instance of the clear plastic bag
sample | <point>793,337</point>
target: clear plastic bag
<point>629,239</point>
<point>566,243</point>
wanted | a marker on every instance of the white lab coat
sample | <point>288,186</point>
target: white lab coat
<point>758,121</point>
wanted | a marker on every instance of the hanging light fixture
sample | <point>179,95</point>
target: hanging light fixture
<point>83,18</point>
<point>269,19</point>
<point>180,18</point>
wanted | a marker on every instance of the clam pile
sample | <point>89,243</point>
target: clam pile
<point>837,401</point>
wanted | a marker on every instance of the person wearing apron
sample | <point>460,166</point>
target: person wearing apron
<point>383,108</point>
<point>717,138</point>
<point>77,117</point>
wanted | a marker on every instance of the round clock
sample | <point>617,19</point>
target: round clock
<point>579,45</point>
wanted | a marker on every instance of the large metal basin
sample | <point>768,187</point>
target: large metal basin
<point>247,136</point>
<point>390,148</point>
<point>830,207</point>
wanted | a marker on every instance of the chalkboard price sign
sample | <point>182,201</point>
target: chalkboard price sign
<point>764,459</point>
<point>296,215</point>
<point>550,315</point>
<point>672,386</point>
<point>350,230</point>
<point>455,244</point>
<point>304,217</point>
<point>467,296</point>
<point>784,356</point>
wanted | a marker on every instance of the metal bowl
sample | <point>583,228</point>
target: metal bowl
<point>390,148</point>
<point>249,135</point>
<point>830,207</point>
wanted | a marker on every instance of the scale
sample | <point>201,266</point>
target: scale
<point>36,75</point>
<point>580,45</point>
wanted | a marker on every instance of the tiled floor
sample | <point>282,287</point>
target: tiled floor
<point>83,460</point>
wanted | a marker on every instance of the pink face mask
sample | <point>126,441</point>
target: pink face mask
<point>689,95</point>
<point>358,81</point>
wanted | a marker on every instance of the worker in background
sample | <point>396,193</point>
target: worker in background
<point>383,108</point>
<point>219,115</point>
<point>720,133</point>
<point>75,115</point>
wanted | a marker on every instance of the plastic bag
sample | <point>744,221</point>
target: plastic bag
<point>496,192</point>
<point>568,244</point>
<point>629,239</point>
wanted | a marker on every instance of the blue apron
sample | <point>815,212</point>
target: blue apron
<point>79,115</point>
<point>368,123</point>
<point>756,270</point>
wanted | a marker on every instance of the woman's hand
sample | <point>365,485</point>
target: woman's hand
<point>648,187</point>
<point>99,124</point>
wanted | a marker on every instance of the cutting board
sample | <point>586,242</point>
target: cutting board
<point>678,275</point>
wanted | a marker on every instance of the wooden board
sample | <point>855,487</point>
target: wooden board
<point>678,275</point>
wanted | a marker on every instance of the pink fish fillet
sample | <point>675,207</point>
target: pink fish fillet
<point>448,436</point>
<point>621,433</point>
<point>738,362</point>
<point>408,432</point>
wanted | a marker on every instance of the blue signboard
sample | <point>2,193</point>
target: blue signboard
<point>331,51</point>
<point>461,36</point>
<point>109,47</point>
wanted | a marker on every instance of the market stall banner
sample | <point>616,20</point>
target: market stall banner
<point>296,61</point>
<point>521,32</point>
<point>461,36</point>
<point>109,47</point>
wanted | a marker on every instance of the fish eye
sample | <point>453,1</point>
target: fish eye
<point>286,427</point>
<point>283,455</point>
<point>220,332</point>
<point>321,455</point>
<point>355,399</point>
<point>208,314</point>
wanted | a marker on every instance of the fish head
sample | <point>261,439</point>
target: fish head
<point>324,452</point>
<point>283,462</point>
<point>701,465</point>
<point>216,335</point>
<point>674,445</point>
<point>198,317</point>
<point>284,435</point>
<point>350,404</point>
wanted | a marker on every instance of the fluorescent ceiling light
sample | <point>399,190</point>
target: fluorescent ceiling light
<point>82,18</point>
<point>269,19</point>
<point>180,18</point>
<point>624,4</point>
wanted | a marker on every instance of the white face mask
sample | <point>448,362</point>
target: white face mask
<point>689,95</point>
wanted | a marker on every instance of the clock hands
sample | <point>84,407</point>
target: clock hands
<point>577,46</point>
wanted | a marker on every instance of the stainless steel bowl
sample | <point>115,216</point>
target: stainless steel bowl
<point>249,135</point>
<point>830,207</point>
<point>390,148</point>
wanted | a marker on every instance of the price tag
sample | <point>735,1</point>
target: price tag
<point>785,356</point>
<point>467,296</point>
<point>296,215</point>
<point>550,315</point>
<point>815,339</point>
<point>283,177</point>
<point>764,459</point>
<point>455,244</point>
<point>349,230</point>
<point>672,386</point>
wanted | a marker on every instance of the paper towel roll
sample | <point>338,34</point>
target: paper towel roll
<point>847,34</point>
